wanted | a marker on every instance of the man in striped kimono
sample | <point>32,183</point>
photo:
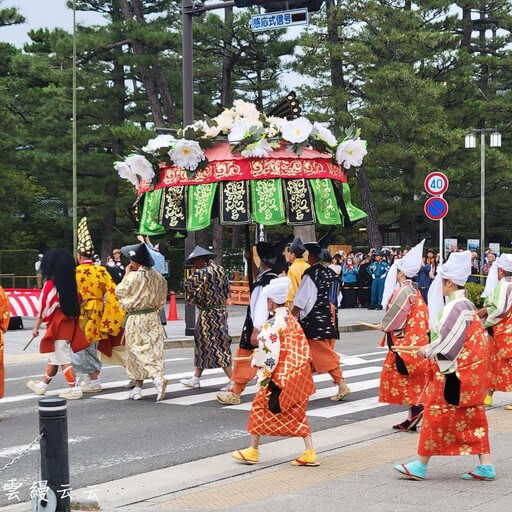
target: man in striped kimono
<point>497,314</point>
<point>454,420</point>
<point>404,375</point>
<point>208,289</point>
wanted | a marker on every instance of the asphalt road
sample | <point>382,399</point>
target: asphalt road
<point>111,437</point>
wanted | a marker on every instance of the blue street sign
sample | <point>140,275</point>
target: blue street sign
<point>277,20</point>
<point>436,208</point>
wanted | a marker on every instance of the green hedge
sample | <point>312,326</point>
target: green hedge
<point>474,291</point>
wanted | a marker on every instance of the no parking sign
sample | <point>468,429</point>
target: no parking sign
<point>436,208</point>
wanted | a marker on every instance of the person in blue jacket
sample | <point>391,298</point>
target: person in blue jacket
<point>378,269</point>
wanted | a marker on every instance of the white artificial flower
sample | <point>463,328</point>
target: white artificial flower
<point>209,131</point>
<point>351,153</point>
<point>140,165</point>
<point>125,171</point>
<point>187,154</point>
<point>274,125</point>
<point>238,132</point>
<point>225,120</point>
<point>260,149</point>
<point>325,134</point>
<point>245,110</point>
<point>212,131</point>
<point>296,131</point>
<point>160,141</point>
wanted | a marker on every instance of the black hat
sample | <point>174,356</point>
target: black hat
<point>198,252</point>
<point>319,249</point>
<point>139,254</point>
<point>272,255</point>
<point>326,256</point>
<point>297,247</point>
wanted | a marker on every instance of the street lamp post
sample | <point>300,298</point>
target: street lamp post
<point>470,143</point>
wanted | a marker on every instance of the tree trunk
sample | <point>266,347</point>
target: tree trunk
<point>372,227</point>
<point>467,27</point>
<point>228,60</point>
<point>407,217</point>
<point>146,75</point>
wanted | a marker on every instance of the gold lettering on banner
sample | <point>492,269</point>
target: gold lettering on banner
<point>266,192</point>
<point>297,198</point>
<point>294,168</point>
<point>326,203</point>
<point>263,168</point>
<point>228,169</point>
<point>202,194</point>
<point>233,193</point>
<point>215,171</point>
<point>174,211</point>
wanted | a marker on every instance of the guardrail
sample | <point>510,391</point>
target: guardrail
<point>16,281</point>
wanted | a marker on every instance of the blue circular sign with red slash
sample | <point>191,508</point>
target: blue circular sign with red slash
<point>436,208</point>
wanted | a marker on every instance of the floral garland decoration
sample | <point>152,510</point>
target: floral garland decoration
<point>250,133</point>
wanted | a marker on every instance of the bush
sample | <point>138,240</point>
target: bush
<point>474,291</point>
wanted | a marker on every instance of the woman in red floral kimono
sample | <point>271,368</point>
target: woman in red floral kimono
<point>286,380</point>
<point>454,420</point>
<point>5,309</point>
<point>404,375</point>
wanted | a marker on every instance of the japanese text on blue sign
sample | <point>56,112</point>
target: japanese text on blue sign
<point>277,20</point>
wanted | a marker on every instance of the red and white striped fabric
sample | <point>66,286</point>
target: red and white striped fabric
<point>24,302</point>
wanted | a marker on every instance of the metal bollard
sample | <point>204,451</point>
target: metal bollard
<point>53,423</point>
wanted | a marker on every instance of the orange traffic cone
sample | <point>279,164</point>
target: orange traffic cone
<point>173,310</point>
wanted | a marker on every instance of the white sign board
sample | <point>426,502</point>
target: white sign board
<point>495,248</point>
<point>450,245</point>
<point>277,20</point>
<point>473,244</point>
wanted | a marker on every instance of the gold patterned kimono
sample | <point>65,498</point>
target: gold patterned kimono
<point>5,308</point>
<point>142,294</point>
<point>287,381</point>
<point>100,314</point>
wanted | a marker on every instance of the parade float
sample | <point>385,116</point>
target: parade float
<point>244,167</point>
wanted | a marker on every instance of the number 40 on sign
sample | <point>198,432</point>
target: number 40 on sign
<point>436,183</point>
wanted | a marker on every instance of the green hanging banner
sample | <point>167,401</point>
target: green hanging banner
<point>150,214</point>
<point>199,207</point>
<point>326,205</point>
<point>267,202</point>
<point>354,213</point>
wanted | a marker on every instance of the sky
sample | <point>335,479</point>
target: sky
<point>41,14</point>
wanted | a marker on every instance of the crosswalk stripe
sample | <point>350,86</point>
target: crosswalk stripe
<point>206,397</point>
<point>345,408</point>
<point>323,393</point>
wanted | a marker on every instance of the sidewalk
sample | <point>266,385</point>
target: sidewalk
<point>15,341</point>
<point>355,473</point>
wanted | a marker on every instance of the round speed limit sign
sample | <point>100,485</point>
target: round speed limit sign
<point>436,183</point>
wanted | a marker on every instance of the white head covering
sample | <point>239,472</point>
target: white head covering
<point>458,269</point>
<point>277,289</point>
<point>410,265</point>
<point>504,262</point>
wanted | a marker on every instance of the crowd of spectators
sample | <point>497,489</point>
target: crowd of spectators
<point>355,281</point>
